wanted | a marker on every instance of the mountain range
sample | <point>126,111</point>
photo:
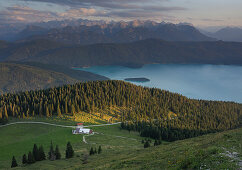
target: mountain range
<point>91,32</point>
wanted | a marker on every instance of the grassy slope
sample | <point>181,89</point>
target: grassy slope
<point>22,77</point>
<point>121,149</point>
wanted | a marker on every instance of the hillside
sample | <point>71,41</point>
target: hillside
<point>154,113</point>
<point>127,54</point>
<point>21,77</point>
<point>121,149</point>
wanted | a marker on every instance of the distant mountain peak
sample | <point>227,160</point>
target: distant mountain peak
<point>228,34</point>
<point>90,32</point>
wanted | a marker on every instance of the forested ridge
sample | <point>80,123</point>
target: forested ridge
<point>126,54</point>
<point>15,77</point>
<point>147,108</point>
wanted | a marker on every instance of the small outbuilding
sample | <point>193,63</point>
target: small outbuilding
<point>81,130</point>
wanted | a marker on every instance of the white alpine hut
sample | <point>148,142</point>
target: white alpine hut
<point>81,130</point>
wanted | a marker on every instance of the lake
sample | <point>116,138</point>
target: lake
<point>209,82</point>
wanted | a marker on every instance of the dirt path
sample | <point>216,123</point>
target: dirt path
<point>110,124</point>
<point>51,124</point>
<point>84,138</point>
<point>43,123</point>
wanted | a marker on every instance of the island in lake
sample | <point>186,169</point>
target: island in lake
<point>140,79</point>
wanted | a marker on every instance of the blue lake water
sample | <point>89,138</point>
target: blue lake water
<point>210,82</point>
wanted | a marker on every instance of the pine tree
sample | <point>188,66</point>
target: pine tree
<point>69,151</point>
<point>5,112</point>
<point>14,162</point>
<point>66,107</point>
<point>57,153</point>
<point>47,113</point>
<point>24,159</point>
<point>91,151</point>
<point>147,144</point>
<point>155,143</point>
<point>36,153</point>
<point>58,111</point>
<point>51,153</point>
<point>99,149</point>
<point>30,158</point>
<point>1,113</point>
<point>42,153</point>
<point>73,110</point>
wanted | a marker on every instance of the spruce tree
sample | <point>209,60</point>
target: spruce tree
<point>73,110</point>
<point>47,113</point>
<point>41,153</point>
<point>91,151</point>
<point>69,151</point>
<point>24,159</point>
<point>66,107</point>
<point>147,144</point>
<point>51,153</point>
<point>57,153</point>
<point>99,149</point>
<point>5,112</point>
<point>14,162</point>
<point>1,113</point>
<point>155,143</point>
<point>30,158</point>
<point>36,153</point>
<point>58,110</point>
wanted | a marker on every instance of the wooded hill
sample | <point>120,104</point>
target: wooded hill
<point>30,76</point>
<point>173,112</point>
<point>126,54</point>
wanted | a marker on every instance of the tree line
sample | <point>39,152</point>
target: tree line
<point>38,154</point>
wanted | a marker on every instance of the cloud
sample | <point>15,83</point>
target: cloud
<point>25,14</point>
<point>76,13</point>
<point>114,7</point>
<point>18,14</point>
<point>113,4</point>
<point>74,9</point>
<point>206,19</point>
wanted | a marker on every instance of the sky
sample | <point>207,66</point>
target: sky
<point>201,13</point>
